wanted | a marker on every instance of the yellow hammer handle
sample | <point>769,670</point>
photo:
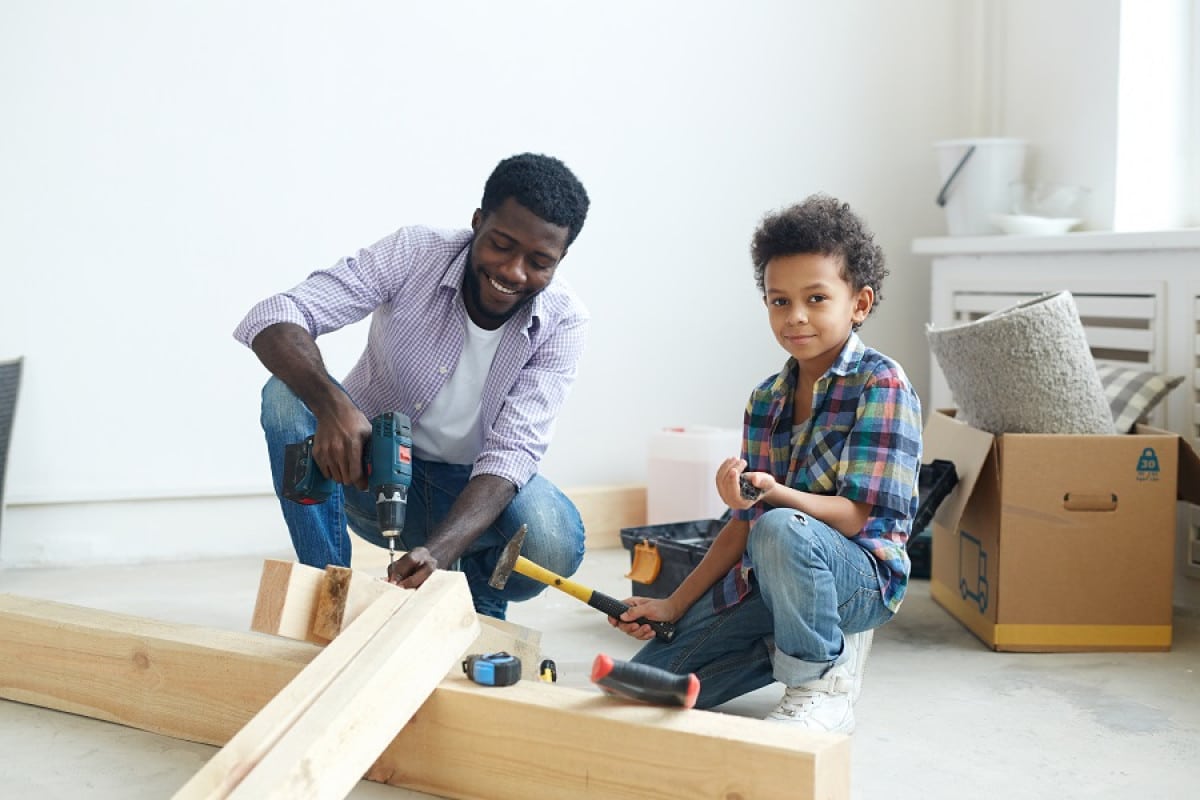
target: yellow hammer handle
<point>543,575</point>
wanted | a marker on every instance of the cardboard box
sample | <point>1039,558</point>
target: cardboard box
<point>1060,543</point>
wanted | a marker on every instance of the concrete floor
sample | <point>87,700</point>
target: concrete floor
<point>940,715</point>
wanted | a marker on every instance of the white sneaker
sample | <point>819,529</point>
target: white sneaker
<point>860,647</point>
<point>827,703</point>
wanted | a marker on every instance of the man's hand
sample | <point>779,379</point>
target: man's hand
<point>658,609</point>
<point>338,444</point>
<point>413,568</point>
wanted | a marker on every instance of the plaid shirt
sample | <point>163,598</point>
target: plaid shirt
<point>862,442</point>
<point>411,282</point>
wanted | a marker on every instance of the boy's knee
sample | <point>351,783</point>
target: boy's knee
<point>780,530</point>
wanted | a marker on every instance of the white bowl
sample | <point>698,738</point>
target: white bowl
<point>1029,225</point>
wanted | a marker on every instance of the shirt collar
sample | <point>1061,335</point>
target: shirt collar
<point>846,363</point>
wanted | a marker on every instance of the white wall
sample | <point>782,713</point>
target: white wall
<point>1056,84</point>
<point>164,166</point>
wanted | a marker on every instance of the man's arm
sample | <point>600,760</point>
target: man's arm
<point>291,354</point>
<point>481,502</point>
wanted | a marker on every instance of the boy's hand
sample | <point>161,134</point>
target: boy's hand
<point>658,609</point>
<point>729,476</point>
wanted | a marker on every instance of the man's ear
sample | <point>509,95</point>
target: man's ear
<point>476,219</point>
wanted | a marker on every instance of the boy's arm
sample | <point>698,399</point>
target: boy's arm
<point>723,554</point>
<point>840,513</point>
<point>844,515</point>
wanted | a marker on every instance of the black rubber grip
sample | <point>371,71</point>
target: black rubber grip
<point>664,631</point>
<point>645,683</point>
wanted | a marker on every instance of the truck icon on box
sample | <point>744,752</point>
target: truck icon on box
<point>972,570</point>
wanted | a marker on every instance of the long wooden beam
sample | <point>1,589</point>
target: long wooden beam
<point>531,741</point>
<point>319,735</point>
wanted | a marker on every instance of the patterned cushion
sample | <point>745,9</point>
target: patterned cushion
<point>1132,393</point>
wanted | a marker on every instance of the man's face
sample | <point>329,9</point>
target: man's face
<point>514,254</point>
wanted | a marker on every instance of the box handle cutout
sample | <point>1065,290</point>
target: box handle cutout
<point>1082,501</point>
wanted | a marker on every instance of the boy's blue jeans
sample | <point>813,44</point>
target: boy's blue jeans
<point>809,585</point>
<point>554,538</point>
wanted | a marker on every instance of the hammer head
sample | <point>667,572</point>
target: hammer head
<point>508,560</point>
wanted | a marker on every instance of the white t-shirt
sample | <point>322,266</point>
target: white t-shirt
<point>450,430</point>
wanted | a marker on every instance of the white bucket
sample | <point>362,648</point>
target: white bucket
<point>976,178</point>
<point>682,470</point>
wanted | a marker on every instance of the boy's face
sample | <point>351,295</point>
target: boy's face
<point>812,308</point>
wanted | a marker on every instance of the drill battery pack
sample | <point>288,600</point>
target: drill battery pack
<point>303,481</point>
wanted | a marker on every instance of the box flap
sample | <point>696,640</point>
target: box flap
<point>968,449</point>
<point>1188,486</point>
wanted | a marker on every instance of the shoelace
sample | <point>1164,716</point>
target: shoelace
<point>798,700</point>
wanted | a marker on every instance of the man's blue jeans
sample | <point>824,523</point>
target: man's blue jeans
<point>810,585</point>
<point>554,537</point>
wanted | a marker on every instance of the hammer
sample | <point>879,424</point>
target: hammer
<point>512,561</point>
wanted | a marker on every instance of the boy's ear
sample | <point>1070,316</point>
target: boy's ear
<point>863,303</point>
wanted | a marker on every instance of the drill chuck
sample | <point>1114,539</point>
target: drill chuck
<point>391,505</point>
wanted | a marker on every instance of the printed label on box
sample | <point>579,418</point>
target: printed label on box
<point>972,570</point>
<point>1147,468</point>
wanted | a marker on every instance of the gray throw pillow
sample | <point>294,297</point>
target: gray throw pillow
<point>1133,393</point>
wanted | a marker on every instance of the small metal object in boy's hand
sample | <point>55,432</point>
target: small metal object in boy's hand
<point>749,490</point>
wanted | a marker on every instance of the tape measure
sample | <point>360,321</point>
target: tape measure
<point>493,669</point>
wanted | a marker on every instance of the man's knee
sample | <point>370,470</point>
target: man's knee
<point>554,532</point>
<point>282,410</point>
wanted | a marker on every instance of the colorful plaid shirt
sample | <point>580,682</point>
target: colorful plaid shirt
<point>411,282</point>
<point>862,442</point>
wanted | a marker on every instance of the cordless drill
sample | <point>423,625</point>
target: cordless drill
<point>387,461</point>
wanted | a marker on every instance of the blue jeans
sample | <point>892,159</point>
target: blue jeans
<point>810,585</point>
<point>554,537</point>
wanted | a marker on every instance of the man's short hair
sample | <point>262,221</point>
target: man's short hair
<point>542,184</point>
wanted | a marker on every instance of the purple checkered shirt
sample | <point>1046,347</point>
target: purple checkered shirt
<point>411,281</point>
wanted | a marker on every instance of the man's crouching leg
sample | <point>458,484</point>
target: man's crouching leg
<point>553,540</point>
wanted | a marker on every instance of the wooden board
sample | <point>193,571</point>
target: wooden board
<point>606,510</point>
<point>319,735</point>
<point>524,742</point>
<point>294,592</point>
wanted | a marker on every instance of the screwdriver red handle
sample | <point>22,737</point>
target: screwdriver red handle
<point>645,683</point>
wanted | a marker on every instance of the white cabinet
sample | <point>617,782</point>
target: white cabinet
<point>1138,296</point>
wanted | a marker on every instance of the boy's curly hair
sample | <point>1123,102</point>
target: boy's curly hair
<point>824,225</point>
<point>542,184</point>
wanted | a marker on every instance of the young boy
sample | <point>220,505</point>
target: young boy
<point>794,584</point>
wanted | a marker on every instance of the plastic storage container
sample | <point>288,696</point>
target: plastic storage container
<point>681,472</point>
<point>680,546</point>
<point>935,481</point>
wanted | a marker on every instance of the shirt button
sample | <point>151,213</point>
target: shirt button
<point>442,370</point>
<point>419,406</point>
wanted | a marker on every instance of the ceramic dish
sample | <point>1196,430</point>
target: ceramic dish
<point>1028,225</point>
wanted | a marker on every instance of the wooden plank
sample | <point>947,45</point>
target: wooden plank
<point>249,745</point>
<point>607,509</point>
<point>293,590</point>
<point>319,735</point>
<point>272,613</point>
<point>524,742</point>
<point>331,602</point>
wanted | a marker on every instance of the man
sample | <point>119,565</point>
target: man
<point>473,339</point>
